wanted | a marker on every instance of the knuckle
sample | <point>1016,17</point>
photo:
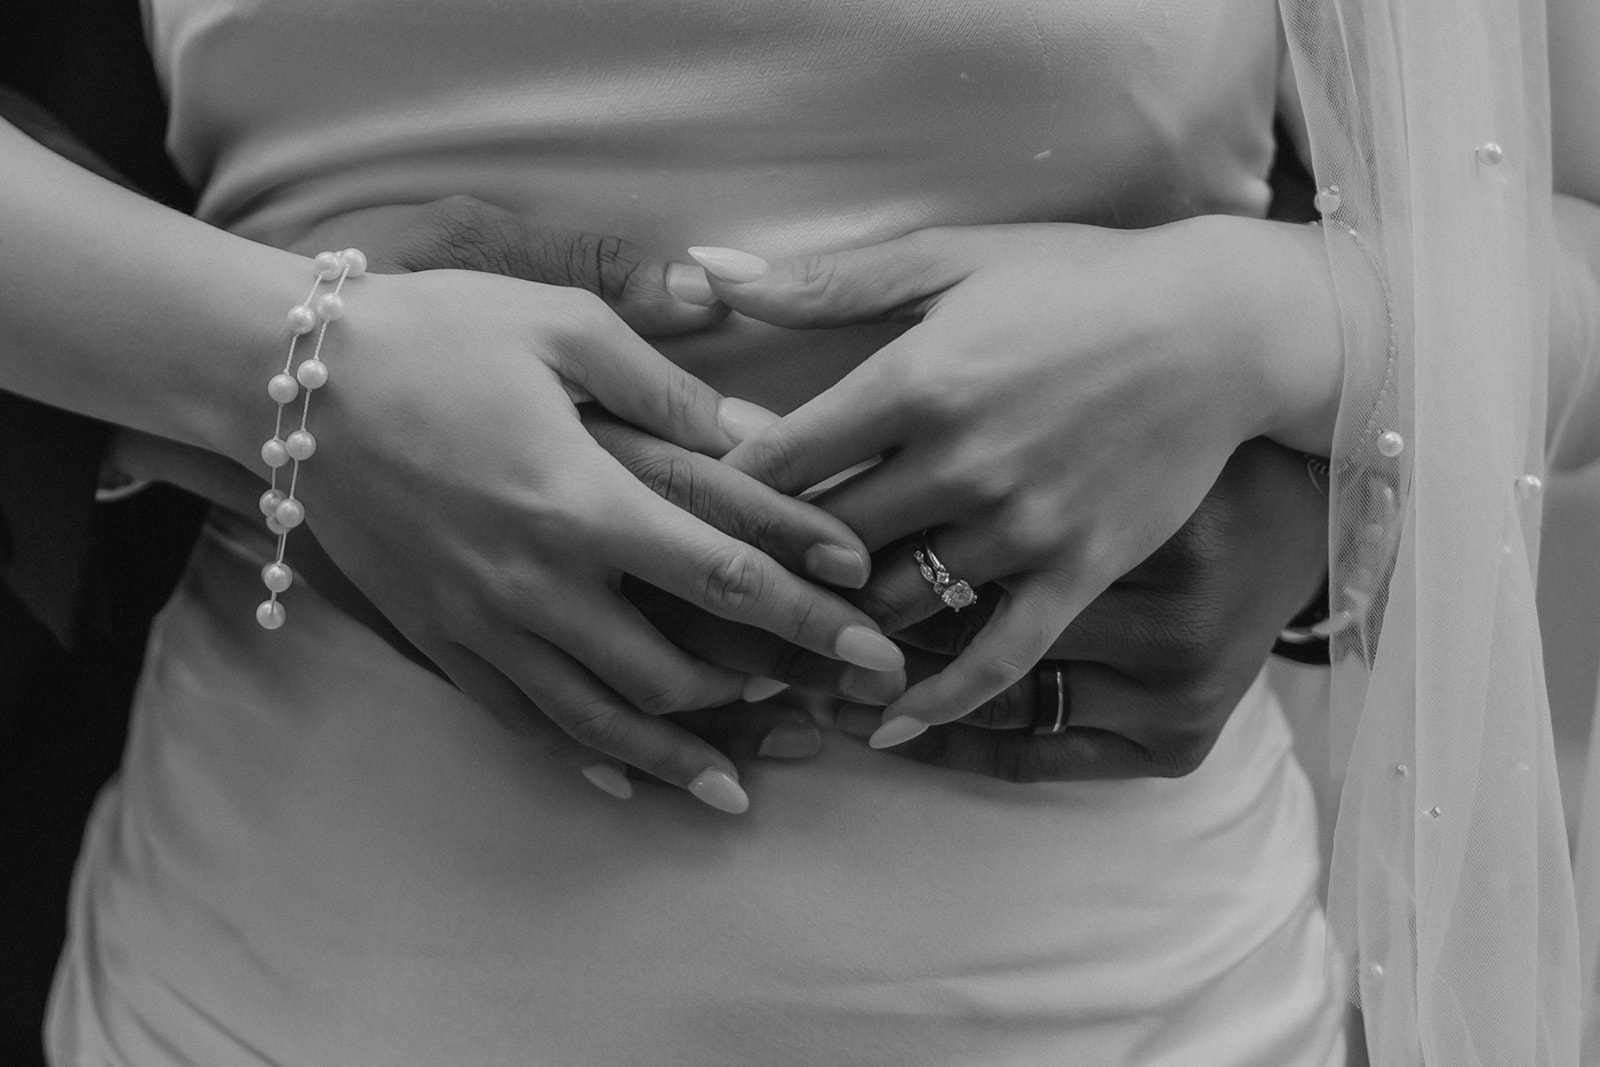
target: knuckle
<point>732,580</point>
<point>594,724</point>
<point>466,234</point>
<point>663,697</point>
<point>600,264</point>
<point>776,461</point>
<point>671,477</point>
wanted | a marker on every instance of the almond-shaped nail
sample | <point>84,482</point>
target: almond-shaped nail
<point>837,565</point>
<point>897,731</point>
<point>718,789</point>
<point>740,418</point>
<point>688,283</point>
<point>730,264</point>
<point>872,687</point>
<point>791,740</point>
<point>758,689</point>
<point>609,779</point>
<point>868,648</point>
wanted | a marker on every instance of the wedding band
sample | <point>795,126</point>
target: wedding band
<point>955,593</point>
<point>1051,724</point>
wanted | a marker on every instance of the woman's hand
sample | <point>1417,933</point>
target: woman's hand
<point>1063,404</point>
<point>1153,668</point>
<point>456,486</point>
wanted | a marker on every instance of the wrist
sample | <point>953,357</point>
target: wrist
<point>1287,328</point>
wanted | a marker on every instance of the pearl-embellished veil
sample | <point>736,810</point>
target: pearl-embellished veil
<point>1451,896</point>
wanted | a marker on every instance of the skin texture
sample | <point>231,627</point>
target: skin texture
<point>1155,664</point>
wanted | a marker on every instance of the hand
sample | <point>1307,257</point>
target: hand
<point>1152,669</point>
<point>1065,400</point>
<point>516,596</point>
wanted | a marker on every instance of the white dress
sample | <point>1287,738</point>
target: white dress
<point>320,854</point>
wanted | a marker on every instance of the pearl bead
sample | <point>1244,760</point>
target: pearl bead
<point>271,499</point>
<point>1490,154</point>
<point>1377,970</point>
<point>277,528</point>
<point>277,577</point>
<point>330,306</point>
<point>1390,444</point>
<point>291,513</point>
<point>313,373</point>
<point>1327,200</point>
<point>329,265</point>
<point>302,319</point>
<point>354,261</point>
<point>300,445</point>
<point>1529,485</point>
<point>1401,770</point>
<point>274,454</point>
<point>282,388</point>
<point>270,614</point>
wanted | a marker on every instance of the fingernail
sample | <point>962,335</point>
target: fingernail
<point>730,264</point>
<point>791,740</point>
<point>609,779</point>
<point>868,648</point>
<point>872,687</point>
<point>718,789</point>
<point>758,689</point>
<point>740,418</point>
<point>837,565</point>
<point>897,731</point>
<point>689,284</point>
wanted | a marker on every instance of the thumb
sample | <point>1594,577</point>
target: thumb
<point>894,280</point>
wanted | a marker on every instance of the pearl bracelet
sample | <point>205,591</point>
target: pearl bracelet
<point>282,509</point>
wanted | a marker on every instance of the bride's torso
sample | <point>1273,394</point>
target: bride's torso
<point>767,125</point>
<point>320,853</point>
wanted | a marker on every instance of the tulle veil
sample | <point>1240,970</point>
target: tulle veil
<point>1451,897</point>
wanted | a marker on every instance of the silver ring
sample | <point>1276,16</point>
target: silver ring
<point>955,593</point>
<point>1060,722</point>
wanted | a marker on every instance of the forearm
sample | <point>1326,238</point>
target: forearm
<point>1573,433</point>
<point>126,311</point>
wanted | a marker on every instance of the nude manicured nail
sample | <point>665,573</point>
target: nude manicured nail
<point>688,283</point>
<point>740,418</point>
<point>609,779</point>
<point>718,789</point>
<point>869,649</point>
<point>791,740</point>
<point>897,731</point>
<point>872,687</point>
<point>730,264</point>
<point>758,689</point>
<point>837,565</point>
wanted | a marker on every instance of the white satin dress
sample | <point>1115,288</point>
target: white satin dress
<point>318,853</point>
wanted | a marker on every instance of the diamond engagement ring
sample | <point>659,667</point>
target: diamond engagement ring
<point>955,593</point>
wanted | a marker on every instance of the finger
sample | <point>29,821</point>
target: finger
<point>892,279</point>
<point>758,654</point>
<point>509,706</point>
<point>1077,753</point>
<point>597,718</point>
<point>861,416</point>
<point>895,499</point>
<point>1024,624</point>
<point>597,352</point>
<point>654,296</point>
<point>899,594</point>
<point>804,538</point>
<point>746,732</point>
<point>677,553</point>
<point>615,642</point>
